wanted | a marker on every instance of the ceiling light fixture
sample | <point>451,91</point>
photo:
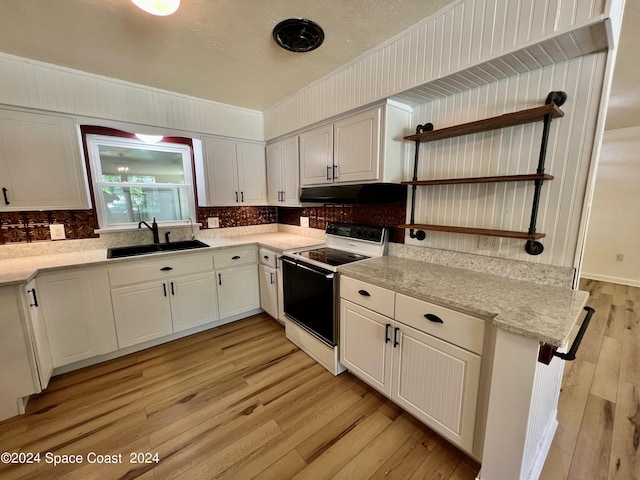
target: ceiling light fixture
<point>298,35</point>
<point>161,8</point>
<point>149,138</point>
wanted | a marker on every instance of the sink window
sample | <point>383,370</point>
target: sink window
<point>135,181</point>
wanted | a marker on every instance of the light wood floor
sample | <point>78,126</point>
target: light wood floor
<point>598,435</point>
<point>238,402</point>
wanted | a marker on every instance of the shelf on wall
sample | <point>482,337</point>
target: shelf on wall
<point>475,231</point>
<point>494,179</point>
<point>512,119</point>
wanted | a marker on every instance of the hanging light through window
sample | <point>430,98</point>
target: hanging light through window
<point>158,7</point>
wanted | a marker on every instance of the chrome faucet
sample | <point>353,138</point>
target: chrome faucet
<point>153,228</point>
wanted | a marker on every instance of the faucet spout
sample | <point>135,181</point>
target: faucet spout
<point>153,228</point>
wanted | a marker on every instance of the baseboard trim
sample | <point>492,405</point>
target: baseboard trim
<point>605,278</point>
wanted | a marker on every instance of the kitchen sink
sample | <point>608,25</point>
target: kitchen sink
<point>119,252</point>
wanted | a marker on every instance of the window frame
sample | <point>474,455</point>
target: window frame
<point>92,143</point>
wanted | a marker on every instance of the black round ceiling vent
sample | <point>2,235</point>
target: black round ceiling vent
<point>298,35</point>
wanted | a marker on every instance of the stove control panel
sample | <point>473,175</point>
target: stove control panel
<point>360,232</point>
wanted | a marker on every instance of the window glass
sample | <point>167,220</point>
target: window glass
<point>135,181</point>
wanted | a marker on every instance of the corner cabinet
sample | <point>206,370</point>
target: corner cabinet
<point>41,167</point>
<point>283,172</point>
<point>362,147</point>
<point>424,357</point>
<point>425,133</point>
<point>235,172</point>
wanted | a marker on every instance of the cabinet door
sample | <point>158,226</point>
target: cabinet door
<point>274,173</point>
<point>40,337</point>
<point>252,176</point>
<point>438,383</point>
<point>357,150</point>
<point>366,345</point>
<point>221,171</point>
<point>238,290</point>
<point>316,156</point>
<point>290,172</point>
<point>141,312</point>
<point>193,301</point>
<point>71,322</point>
<point>40,163</point>
<point>268,290</point>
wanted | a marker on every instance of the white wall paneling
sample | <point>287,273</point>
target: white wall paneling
<point>468,42</point>
<point>27,83</point>
<point>514,150</point>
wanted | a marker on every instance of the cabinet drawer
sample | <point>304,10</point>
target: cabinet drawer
<point>267,257</point>
<point>145,271</point>
<point>457,328</point>
<point>233,258</point>
<point>370,296</point>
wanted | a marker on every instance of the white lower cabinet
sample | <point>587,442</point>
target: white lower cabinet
<point>155,299</point>
<point>77,314</point>
<point>433,379</point>
<point>238,290</point>
<point>41,346</point>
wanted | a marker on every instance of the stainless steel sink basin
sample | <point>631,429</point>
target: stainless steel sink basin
<point>119,252</point>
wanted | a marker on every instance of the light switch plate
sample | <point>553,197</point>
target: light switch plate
<point>304,222</point>
<point>213,222</point>
<point>57,231</point>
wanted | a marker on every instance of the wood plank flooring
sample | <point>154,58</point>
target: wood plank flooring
<point>598,435</point>
<point>238,402</point>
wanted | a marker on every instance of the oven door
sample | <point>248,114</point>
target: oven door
<point>309,298</point>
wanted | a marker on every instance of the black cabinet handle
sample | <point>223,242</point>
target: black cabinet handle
<point>571,354</point>
<point>266,257</point>
<point>235,257</point>
<point>328,172</point>
<point>35,299</point>
<point>335,171</point>
<point>164,289</point>
<point>242,196</point>
<point>219,279</point>
<point>386,333</point>
<point>271,277</point>
<point>433,318</point>
<point>172,290</point>
<point>364,293</point>
<point>6,198</point>
<point>395,337</point>
<point>166,269</point>
<point>236,197</point>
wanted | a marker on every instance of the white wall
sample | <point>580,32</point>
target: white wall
<point>614,224</point>
<point>38,85</point>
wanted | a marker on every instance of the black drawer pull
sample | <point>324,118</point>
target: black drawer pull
<point>266,257</point>
<point>364,293</point>
<point>386,333</point>
<point>6,198</point>
<point>571,354</point>
<point>433,318</point>
<point>166,269</point>
<point>235,257</point>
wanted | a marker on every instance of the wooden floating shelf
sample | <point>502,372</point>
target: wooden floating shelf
<point>507,120</point>
<point>475,231</point>
<point>494,179</point>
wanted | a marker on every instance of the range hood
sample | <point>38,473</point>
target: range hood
<point>379,193</point>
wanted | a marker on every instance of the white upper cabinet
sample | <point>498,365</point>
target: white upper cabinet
<point>235,172</point>
<point>283,178</point>
<point>363,147</point>
<point>40,163</point>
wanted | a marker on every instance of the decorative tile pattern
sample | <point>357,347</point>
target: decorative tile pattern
<point>26,227</point>
<point>384,215</point>
<point>238,216</point>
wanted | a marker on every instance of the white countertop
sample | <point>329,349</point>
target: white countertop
<point>541,312</point>
<point>20,270</point>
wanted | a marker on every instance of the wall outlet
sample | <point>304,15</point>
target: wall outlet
<point>213,222</point>
<point>304,222</point>
<point>619,257</point>
<point>57,231</point>
<point>488,243</point>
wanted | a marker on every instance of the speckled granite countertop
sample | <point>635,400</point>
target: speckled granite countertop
<point>20,270</point>
<point>537,311</point>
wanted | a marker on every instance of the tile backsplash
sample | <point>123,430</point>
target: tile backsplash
<point>28,227</point>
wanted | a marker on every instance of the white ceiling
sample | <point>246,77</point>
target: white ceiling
<point>222,50</point>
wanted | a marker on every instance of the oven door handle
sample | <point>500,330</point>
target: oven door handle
<point>326,275</point>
